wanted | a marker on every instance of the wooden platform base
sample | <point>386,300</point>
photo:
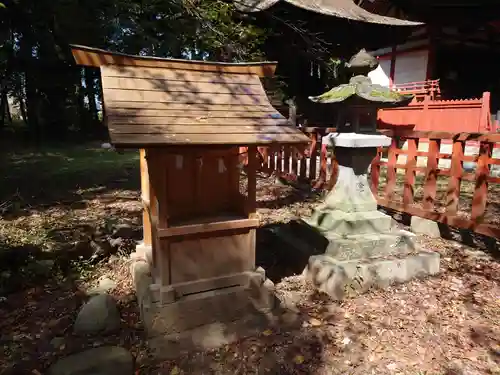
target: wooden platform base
<point>182,321</point>
<point>215,335</point>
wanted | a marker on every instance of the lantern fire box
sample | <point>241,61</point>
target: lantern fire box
<point>196,265</point>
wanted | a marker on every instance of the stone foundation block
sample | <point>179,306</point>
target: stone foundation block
<point>368,246</point>
<point>341,279</point>
<point>345,223</point>
<point>428,227</point>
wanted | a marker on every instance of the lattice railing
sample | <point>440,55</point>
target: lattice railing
<point>446,177</point>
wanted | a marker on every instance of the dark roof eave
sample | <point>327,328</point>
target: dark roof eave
<point>336,8</point>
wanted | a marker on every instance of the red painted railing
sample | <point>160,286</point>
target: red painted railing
<point>416,191</point>
<point>421,89</point>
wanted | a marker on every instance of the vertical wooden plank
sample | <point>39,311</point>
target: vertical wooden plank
<point>431,174</point>
<point>303,166</point>
<point>313,155</point>
<point>480,197</point>
<point>456,170</point>
<point>145,196</point>
<point>391,169</point>
<point>295,169</point>
<point>272,158</point>
<point>279,159</point>
<point>287,154</point>
<point>252,181</point>
<point>265,158</point>
<point>375,173</point>
<point>411,163</point>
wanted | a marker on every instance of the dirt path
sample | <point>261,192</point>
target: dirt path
<point>449,324</point>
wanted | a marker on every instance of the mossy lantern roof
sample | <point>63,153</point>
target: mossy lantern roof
<point>360,90</point>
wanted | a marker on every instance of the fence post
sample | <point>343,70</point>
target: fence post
<point>431,173</point>
<point>391,169</point>
<point>479,199</point>
<point>303,167</point>
<point>456,170</point>
<point>313,154</point>
<point>375,172</point>
<point>322,163</point>
<point>411,163</point>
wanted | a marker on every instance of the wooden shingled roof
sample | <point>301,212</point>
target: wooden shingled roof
<point>151,101</point>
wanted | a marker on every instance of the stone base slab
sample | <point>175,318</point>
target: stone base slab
<point>215,335</point>
<point>346,223</point>
<point>368,246</point>
<point>200,312</point>
<point>341,279</point>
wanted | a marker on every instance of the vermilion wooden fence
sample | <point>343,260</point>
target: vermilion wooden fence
<point>470,115</point>
<point>316,165</point>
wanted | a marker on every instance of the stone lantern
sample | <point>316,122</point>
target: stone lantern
<point>362,245</point>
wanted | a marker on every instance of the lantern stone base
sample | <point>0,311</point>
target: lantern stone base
<point>361,247</point>
<point>341,279</point>
<point>202,320</point>
<point>363,256</point>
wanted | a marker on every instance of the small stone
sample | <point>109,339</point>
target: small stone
<point>392,366</point>
<point>315,322</point>
<point>116,242</point>
<point>125,231</point>
<point>425,226</point>
<point>46,263</point>
<point>104,286</point>
<point>346,341</point>
<point>100,248</point>
<point>57,342</point>
<point>105,360</point>
<point>99,314</point>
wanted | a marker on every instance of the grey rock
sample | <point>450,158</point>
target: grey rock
<point>115,243</point>
<point>100,248</point>
<point>46,263</point>
<point>56,342</point>
<point>105,360</point>
<point>42,267</point>
<point>99,314</point>
<point>428,227</point>
<point>113,259</point>
<point>105,284</point>
<point>125,231</point>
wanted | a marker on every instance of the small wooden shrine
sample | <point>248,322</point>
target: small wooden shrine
<point>188,118</point>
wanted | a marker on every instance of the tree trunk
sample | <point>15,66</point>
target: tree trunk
<point>91,93</point>
<point>80,100</point>
<point>3,104</point>
<point>32,104</point>
<point>22,109</point>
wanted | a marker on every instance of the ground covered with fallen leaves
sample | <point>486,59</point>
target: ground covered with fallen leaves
<point>449,324</point>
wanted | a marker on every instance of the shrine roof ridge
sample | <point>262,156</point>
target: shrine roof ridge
<point>96,57</point>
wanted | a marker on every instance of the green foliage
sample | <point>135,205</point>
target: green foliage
<point>336,72</point>
<point>37,65</point>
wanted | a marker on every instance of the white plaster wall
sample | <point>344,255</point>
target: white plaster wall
<point>381,75</point>
<point>411,67</point>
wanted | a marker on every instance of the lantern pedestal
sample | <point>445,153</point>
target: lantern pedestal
<point>362,246</point>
